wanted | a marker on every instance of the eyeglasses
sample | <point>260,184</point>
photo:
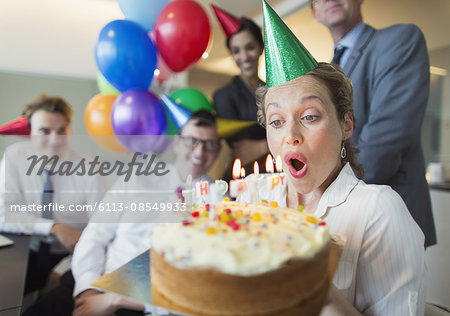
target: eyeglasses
<point>208,144</point>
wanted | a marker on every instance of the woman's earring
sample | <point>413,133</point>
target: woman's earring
<point>343,151</point>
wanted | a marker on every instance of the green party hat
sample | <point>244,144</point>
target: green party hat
<point>286,57</point>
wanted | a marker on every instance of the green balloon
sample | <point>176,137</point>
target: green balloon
<point>104,86</point>
<point>192,99</point>
<point>171,128</point>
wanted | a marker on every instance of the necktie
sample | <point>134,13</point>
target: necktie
<point>47,195</point>
<point>338,52</point>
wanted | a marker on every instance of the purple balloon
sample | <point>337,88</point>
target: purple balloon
<point>162,144</point>
<point>138,112</point>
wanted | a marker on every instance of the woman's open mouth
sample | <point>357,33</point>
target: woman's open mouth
<point>297,164</point>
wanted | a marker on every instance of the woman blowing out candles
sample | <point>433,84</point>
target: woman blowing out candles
<point>308,113</point>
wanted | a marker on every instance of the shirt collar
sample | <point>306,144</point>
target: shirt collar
<point>338,191</point>
<point>349,40</point>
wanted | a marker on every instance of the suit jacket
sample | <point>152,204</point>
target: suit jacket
<point>389,69</point>
<point>237,102</point>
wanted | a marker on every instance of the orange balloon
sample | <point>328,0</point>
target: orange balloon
<point>97,118</point>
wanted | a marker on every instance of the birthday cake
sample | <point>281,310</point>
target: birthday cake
<point>241,259</point>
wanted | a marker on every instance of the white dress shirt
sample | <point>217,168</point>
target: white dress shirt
<point>104,247</point>
<point>382,268</point>
<point>16,187</point>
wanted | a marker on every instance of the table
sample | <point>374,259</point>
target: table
<point>13,267</point>
<point>132,281</point>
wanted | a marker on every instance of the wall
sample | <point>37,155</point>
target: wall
<point>206,81</point>
<point>441,93</point>
<point>438,256</point>
<point>18,89</point>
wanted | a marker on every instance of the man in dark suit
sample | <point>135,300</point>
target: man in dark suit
<point>389,69</point>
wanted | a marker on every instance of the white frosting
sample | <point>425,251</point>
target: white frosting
<point>258,245</point>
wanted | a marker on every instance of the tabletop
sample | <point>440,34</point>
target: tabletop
<point>13,267</point>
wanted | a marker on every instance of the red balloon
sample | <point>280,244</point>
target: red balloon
<point>182,33</point>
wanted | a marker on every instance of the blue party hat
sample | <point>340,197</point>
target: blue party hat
<point>178,112</point>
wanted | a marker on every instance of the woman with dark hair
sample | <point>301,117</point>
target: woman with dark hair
<point>236,100</point>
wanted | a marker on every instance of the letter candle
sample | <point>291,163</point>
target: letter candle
<point>237,186</point>
<point>223,188</point>
<point>271,180</point>
<point>274,179</point>
<point>279,167</point>
<point>201,189</point>
<point>254,186</point>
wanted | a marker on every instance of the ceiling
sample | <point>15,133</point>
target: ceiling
<point>57,37</point>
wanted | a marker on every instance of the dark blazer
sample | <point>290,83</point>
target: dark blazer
<point>389,69</point>
<point>236,101</point>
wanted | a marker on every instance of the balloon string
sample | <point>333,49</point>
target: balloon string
<point>169,84</point>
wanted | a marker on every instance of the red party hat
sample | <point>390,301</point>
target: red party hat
<point>18,126</point>
<point>230,23</point>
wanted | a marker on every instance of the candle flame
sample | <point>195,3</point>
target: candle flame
<point>242,173</point>
<point>236,168</point>
<point>269,163</point>
<point>279,164</point>
<point>256,168</point>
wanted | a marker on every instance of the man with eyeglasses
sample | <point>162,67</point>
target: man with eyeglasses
<point>390,72</point>
<point>197,145</point>
<point>104,247</point>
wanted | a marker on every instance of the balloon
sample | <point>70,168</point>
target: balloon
<point>138,112</point>
<point>143,12</point>
<point>97,118</point>
<point>104,86</point>
<point>171,129</point>
<point>164,72</point>
<point>192,99</point>
<point>125,55</point>
<point>162,144</point>
<point>182,32</point>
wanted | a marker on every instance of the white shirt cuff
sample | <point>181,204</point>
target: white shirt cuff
<point>43,228</point>
<point>83,283</point>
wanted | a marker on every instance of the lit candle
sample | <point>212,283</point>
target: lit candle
<point>279,167</point>
<point>276,179</point>
<point>254,185</point>
<point>269,164</point>
<point>237,186</point>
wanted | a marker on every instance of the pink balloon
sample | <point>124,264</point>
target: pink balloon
<point>164,71</point>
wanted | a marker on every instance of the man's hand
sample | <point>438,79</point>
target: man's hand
<point>95,303</point>
<point>66,235</point>
<point>92,303</point>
